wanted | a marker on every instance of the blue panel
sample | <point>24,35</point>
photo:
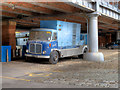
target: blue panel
<point>84,38</point>
<point>65,36</point>
<point>50,24</point>
<point>78,34</point>
<point>69,34</point>
<point>4,53</point>
<point>62,35</point>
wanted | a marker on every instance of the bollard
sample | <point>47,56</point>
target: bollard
<point>7,56</point>
<point>20,52</point>
<point>13,53</point>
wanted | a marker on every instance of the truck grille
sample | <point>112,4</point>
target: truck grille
<point>35,48</point>
<point>32,48</point>
<point>38,48</point>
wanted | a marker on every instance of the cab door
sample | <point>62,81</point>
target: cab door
<point>54,40</point>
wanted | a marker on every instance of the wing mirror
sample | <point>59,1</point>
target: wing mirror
<point>49,39</point>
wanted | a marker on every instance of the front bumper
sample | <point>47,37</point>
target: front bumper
<point>36,56</point>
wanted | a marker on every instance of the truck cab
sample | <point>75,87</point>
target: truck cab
<point>41,42</point>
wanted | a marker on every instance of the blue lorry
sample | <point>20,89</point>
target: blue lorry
<point>56,39</point>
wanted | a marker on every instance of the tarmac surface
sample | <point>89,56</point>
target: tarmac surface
<point>67,73</point>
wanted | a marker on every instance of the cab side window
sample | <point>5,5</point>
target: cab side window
<point>54,36</point>
<point>82,37</point>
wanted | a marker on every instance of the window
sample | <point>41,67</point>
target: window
<point>110,13</point>
<point>102,10</point>
<point>54,36</point>
<point>82,37</point>
<point>113,14</point>
<point>40,35</point>
<point>105,11</point>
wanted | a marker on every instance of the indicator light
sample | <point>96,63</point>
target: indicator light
<point>59,29</point>
<point>50,45</point>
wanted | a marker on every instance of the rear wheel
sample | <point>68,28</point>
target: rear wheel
<point>54,57</point>
<point>85,50</point>
<point>81,56</point>
<point>110,47</point>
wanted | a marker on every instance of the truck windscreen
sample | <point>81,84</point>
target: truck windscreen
<point>40,35</point>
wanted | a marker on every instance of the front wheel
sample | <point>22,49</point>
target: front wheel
<point>27,59</point>
<point>54,57</point>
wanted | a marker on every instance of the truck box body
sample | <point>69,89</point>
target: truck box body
<point>68,33</point>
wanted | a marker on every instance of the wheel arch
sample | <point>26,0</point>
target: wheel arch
<point>85,47</point>
<point>59,53</point>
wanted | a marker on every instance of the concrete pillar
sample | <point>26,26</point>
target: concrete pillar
<point>93,54</point>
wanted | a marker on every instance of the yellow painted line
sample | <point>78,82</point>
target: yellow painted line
<point>57,71</point>
<point>39,75</point>
<point>32,74</point>
<point>47,75</point>
<point>14,78</point>
<point>44,74</point>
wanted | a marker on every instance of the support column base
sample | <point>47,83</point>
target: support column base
<point>93,56</point>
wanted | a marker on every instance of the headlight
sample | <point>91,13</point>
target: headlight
<point>27,51</point>
<point>44,52</point>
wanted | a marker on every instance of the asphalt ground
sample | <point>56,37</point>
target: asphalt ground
<point>67,73</point>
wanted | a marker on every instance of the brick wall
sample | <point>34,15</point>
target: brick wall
<point>106,38</point>
<point>8,33</point>
<point>102,41</point>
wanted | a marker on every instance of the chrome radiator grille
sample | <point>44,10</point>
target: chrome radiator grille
<point>32,48</point>
<point>35,48</point>
<point>38,48</point>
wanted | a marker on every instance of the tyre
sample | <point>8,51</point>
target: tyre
<point>27,59</point>
<point>112,48</point>
<point>109,47</point>
<point>85,50</point>
<point>81,56</point>
<point>54,57</point>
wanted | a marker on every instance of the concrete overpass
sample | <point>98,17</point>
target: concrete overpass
<point>92,15</point>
